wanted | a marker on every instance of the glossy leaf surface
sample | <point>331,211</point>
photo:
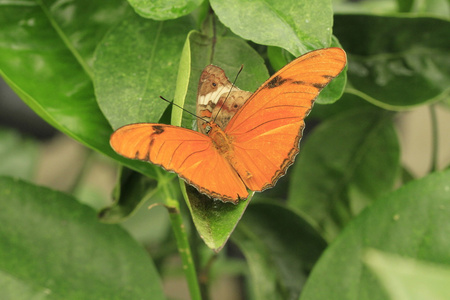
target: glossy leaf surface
<point>135,64</point>
<point>411,222</point>
<point>297,26</point>
<point>47,62</point>
<point>409,279</point>
<point>280,248</point>
<point>347,162</point>
<point>396,69</point>
<point>59,250</point>
<point>163,9</point>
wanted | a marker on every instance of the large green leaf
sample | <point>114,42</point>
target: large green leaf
<point>411,222</point>
<point>81,24</point>
<point>280,248</point>
<point>409,279</point>
<point>163,9</point>
<point>53,247</point>
<point>40,63</point>
<point>348,161</point>
<point>396,69</point>
<point>297,26</point>
<point>136,63</point>
<point>46,60</point>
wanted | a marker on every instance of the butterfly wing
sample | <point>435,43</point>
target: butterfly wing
<point>227,106</point>
<point>213,88</point>
<point>188,153</point>
<point>267,130</point>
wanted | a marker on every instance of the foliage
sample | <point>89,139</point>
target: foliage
<point>331,229</point>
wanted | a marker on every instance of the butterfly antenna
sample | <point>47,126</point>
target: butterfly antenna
<point>232,86</point>
<point>171,102</point>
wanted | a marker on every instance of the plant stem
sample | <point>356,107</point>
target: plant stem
<point>182,241</point>
<point>434,138</point>
<point>205,276</point>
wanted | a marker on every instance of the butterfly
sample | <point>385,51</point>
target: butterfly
<point>258,143</point>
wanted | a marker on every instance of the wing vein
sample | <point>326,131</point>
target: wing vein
<point>191,154</point>
<point>265,123</point>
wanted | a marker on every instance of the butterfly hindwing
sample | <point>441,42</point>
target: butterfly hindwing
<point>213,89</point>
<point>227,106</point>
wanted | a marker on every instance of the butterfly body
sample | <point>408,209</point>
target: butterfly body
<point>252,144</point>
<point>224,145</point>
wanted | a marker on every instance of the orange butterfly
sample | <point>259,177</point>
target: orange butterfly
<point>256,147</point>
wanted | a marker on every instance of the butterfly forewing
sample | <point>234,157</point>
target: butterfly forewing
<point>266,131</point>
<point>190,154</point>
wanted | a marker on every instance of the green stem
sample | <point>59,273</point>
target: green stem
<point>182,241</point>
<point>205,276</point>
<point>435,139</point>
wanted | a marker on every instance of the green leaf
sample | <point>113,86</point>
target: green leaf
<point>213,219</point>
<point>364,7</point>
<point>19,155</point>
<point>346,103</point>
<point>87,24</point>
<point>396,69</point>
<point>409,279</point>
<point>280,248</point>
<point>47,62</point>
<point>297,26</point>
<point>278,57</point>
<point>54,247</point>
<point>136,63</point>
<point>347,161</point>
<point>163,9</point>
<point>411,222</point>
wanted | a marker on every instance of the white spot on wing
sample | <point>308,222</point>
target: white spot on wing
<point>213,96</point>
